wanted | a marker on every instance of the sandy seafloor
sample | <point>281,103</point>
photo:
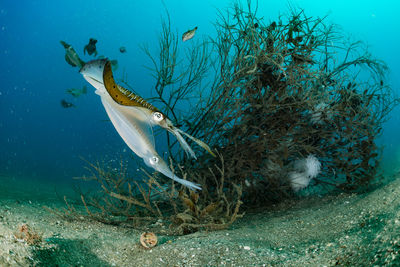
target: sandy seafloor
<point>347,230</point>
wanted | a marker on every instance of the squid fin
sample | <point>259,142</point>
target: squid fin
<point>132,125</point>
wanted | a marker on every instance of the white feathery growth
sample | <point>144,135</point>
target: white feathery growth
<point>305,170</point>
<point>312,166</point>
<point>298,180</point>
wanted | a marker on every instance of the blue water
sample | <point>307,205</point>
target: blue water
<point>39,138</point>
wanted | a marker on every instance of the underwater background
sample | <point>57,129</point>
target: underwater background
<point>42,141</point>
<point>43,144</point>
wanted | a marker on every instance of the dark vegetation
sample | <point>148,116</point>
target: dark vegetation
<point>263,94</point>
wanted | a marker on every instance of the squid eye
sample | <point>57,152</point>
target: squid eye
<point>154,160</point>
<point>157,116</point>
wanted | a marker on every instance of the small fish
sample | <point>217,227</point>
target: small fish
<point>90,48</point>
<point>71,56</point>
<point>66,104</point>
<point>77,92</point>
<point>189,34</point>
<point>122,49</point>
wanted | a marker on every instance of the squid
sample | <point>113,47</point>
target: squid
<point>133,118</point>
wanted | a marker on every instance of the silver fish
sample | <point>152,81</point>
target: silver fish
<point>189,34</point>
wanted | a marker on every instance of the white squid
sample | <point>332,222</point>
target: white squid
<point>133,118</point>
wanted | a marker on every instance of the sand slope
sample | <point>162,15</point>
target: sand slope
<point>344,230</point>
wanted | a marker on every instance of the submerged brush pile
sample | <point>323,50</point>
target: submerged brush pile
<point>289,101</point>
<point>290,89</point>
